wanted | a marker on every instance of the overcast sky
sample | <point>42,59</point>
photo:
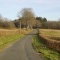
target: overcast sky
<point>44,8</point>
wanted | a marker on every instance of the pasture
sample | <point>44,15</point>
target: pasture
<point>51,38</point>
<point>51,34</point>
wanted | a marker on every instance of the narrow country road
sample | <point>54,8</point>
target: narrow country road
<point>21,50</point>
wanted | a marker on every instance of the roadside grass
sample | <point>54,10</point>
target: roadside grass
<point>8,36</point>
<point>48,54</point>
<point>5,40</point>
<point>52,34</point>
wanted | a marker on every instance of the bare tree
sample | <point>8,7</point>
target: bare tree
<point>1,20</point>
<point>27,17</point>
<point>8,24</point>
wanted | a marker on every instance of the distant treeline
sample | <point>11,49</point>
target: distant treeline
<point>40,23</point>
<point>48,24</point>
<point>27,19</point>
<point>6,23</point>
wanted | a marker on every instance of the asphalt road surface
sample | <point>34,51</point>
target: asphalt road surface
<point>21,50</point>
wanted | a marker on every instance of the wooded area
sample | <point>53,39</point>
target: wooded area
<point>27,19</point>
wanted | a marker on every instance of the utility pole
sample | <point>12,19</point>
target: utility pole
<point>20,24</point>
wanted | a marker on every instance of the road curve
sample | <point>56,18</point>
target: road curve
<point>21,50</point>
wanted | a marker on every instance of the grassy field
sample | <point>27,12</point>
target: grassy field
<point>8,36</point>
<point>52,34</point>
<point>48,54</point>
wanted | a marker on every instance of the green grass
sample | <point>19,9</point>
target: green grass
<point>5,40</point>
<point>49,54</point>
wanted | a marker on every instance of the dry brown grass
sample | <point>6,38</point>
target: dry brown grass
<point>5,32</point>
<point>8,36</point>
<point>46,36</point>
<point>49,33</point>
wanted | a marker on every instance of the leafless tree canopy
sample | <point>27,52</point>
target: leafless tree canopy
<point>5,23</point>
<point>27,17</point>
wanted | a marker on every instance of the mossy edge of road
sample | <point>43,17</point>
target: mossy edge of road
<point>7,40</point>
<point>47,53</point>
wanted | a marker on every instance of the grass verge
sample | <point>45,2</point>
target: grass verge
<point>5,40</point>
<point>49,54</point>
<point>8,36</point>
